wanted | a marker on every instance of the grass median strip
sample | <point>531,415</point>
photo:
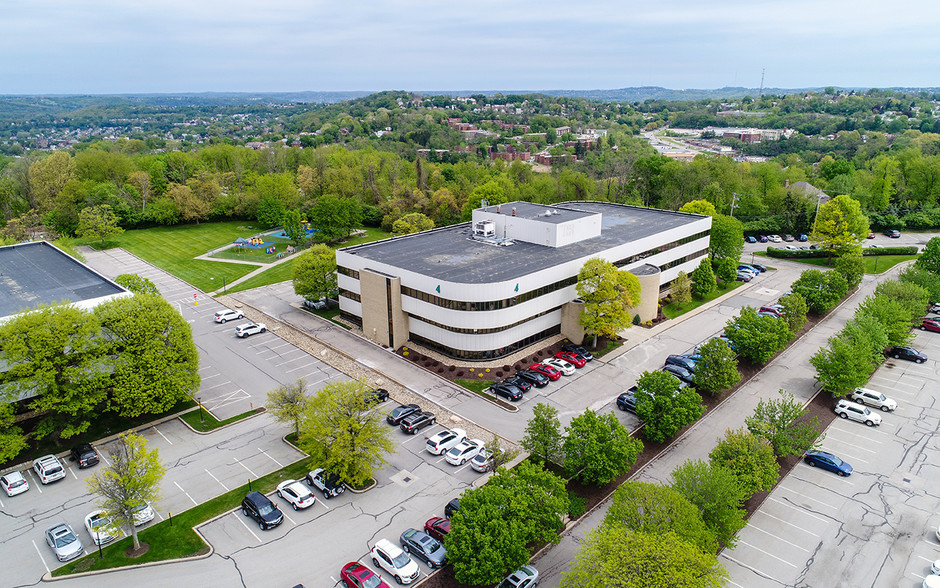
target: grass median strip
<point>205,421</point>
<point>175,538</point>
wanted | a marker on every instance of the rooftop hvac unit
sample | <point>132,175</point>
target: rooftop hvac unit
<point>484,229</point>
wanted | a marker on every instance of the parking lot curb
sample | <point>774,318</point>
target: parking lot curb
<point>48,577</point>
<point>260,411</point>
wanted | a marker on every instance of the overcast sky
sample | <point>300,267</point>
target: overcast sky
<point>127,46</point>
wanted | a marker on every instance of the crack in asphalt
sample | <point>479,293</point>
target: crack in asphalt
<point>235,565</point>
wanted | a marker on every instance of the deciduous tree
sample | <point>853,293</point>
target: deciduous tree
<point>608,294</point>
<point>413,222</point>
<point>294,227</point>
<point>717,494</point>
<point>342,434</point>
<point>703,279</point>
<point>137,284</point>
<point>727,238</point>
<point>930,257</point>
<point>598,448</point>
<point>852,267</point>
<point>821,290</point>
<point>840,225</point>
<point>98,222</point>
<point>718,368</point>
<point>930,282</point>
<point>703,207</point>
<point>778,421</point>
<point>681,289</point>
<point>288,402</point>
<point>652,508</point>
<point>315,273</point>
<point>794,311</point>
<point>543,438</point>
<point>757,337</point>
<point>749,457</point>
<point>663,407</point>
<point>131,478</point>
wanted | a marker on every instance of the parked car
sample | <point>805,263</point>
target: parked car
<point>774,310</point>
<point>481,462</point>
<point>507,391</point>
<point>228,315</point>
<point>683,374</point>
<point>416,421</point>
<point>85,455</point>
<point>759,267</point>
<point>99,527</point>
<point>356,575</point>
<point>396,562</point>
<point>743,276</point>
<point>524,577</point>
<point>579,349</point>
<point>908,353</point>
<point>444,440</point>
<point>933,580</point>
<point>749,269</point>
<point>934,307</point>
<point>762,238</point>
<point>572,358</point>
<point>437,527</point>
<point>328,484</point>
<point>249,329</point>
<point>64,543</point>
<point>627,400</point>
<point>893,233</point>
<point>827,461</point>
<point>298,495</point>
<point>788,238</point>
<point>696,357</point>
<point>871,235</point>
<point>561,365</point>
<point>463,451</point>
<point>546,370</point>
<point>260,508</point>
<point>520,383</point>
<point>802,238</point>
<point>857,412</point>
<point>318,304</point>
<point>770,314</point>
<point>875,399</point>
<point>930,324</point>
<point>451,507</point>
<point>142,514</point>
<point>376,396</point>
<point>48,469</point>
<point>424,547</point>
<point>750,239</point>
<point>681,361</point>
<point>398,414</point>
<point>775,239</point>
<point>537,379</point>
<point>14,483</point>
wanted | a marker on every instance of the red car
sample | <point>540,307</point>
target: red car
<point>871,235</point>
<point>546,370</point>
<point>437,527</point>
<point>772,310</point>
<point>930,324</point>
<point>572,358</point>
<point>356,575</point>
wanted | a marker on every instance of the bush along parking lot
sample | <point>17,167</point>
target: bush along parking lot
<point>176,537</point>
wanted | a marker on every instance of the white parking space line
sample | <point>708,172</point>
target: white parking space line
<point>162,435</point>
<point>217,480</point>
<point>41,558</point>
<point>2,505</point>
<point>284,512</point>
<point>857,438</point>
<point>927,559</point>
<point>800,509</point>
<point>782,540</point>
<point>239,519</point>
<point>186,493</point>
<point>69,468</point>
<point>246,467</point>
<point>35,480</point>
<point>918,576</point>
<point>104,459</point>
<point>284,344</point>
<point>216,386</point>
<point>465,466</point>
<point>271,458</point>
<point>160,516</point>
<point>323,503</point>
<point>766,553</point>
<point>304,366</point>
<point>826,504</point>
<point>786,522</point>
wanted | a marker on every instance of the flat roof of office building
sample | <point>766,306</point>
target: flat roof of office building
<point>39,273</point>
<point>450,254</point>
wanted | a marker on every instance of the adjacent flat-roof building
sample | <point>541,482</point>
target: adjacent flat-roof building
<point>39,273</point>
<point>485,289</point>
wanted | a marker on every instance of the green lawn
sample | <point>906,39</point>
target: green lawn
<point>204,420</point>
<point>874,264</point>
<point>173,249</point>
<point>672,310</point>
<point>174,537</point>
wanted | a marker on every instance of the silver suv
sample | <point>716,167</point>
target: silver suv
<point>48,468</point>
<point>857,412</point>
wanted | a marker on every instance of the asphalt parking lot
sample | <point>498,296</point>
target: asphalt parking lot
<point>873,528</point>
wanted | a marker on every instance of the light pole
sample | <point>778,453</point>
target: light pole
<point>818,202</point>
<point>202,417</point>
<point>734,199</point>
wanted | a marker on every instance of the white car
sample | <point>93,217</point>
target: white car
<point>481,462</point>
<point>64,542</point>
<point>396,562</point>
<point>464,451</point>
<point>524,577</point>
<point>775,239</point>
<point>14,483</point>
<point>143,514</point>
<point>872,398</point>
<point>100,528</point>
<point>935,567</point>
<point>444,440</point>
<point>561,365</point>
<point>249,329</point>
<point>298,495</point>
<point>49,469</point>
<point>228,315</point>
<point>857,412</point>
<point>931,581</point>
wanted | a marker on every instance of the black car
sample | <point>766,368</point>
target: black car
<point>893,233</point>
<point>681,361</point>
<point>259,507</point>
<point>758,267</point>
<point>579,349</point>
<point>536,379</point>
<point>416,421</point>
<point>627,400</point>
<point>511,392</point>
<point>680,372</point>
<point>518,382</point>
<point>85,455</point>
<point>376,396</point>
<point>424,547</point>
<point>451,507</point>
<point>908,353</point>
<point>398,414</point>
